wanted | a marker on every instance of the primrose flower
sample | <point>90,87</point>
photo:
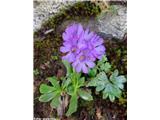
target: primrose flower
<point>81,47</point>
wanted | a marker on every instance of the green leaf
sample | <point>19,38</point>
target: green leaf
<point>114,74</point>
<point>81,82</point>
<point>46,89</point>
<point>105,67</point>
<point>54,81</point>
<point>68,67</point>
<point>118,80</point>
<point>102,76</point>
<point>86,95</point>
<point>112,98</point>
<point>72,105</point>
<point>110,87</point>
<point>55,101</point>
<point>77,75</point>
<point>92,82</point>
<point>70,90</point>
<point>116,92</point>
<point>66,82</point>
<point>99,88</point>
<point>47,97</point>
<point>105,95</point>
<point>92,72</point>
<point>104,59</point>
<point>121,79</point>
<point>100,79</point>
<point>112,90</point>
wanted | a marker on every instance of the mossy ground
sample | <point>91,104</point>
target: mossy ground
<point>47,62</point>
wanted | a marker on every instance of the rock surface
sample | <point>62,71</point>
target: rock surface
<point>43,9</point>
<point>112,24</point>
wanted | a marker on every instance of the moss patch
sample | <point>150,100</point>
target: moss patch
<point>117,55</point>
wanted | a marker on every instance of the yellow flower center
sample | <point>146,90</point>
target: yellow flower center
<point>73,49</point>
<point>82,57</point>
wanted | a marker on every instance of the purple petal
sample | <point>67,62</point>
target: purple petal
<point>92,58</point>
<point>100,48</point>
<point>74,64</point>
<point>86,32</point>
<point>65,36</point>
<point>98,42</point>
<point>64,49</point>
<point>80,29</point>
<point>100,56</point>
<point>95,53</point>
<point>78,67</point>
<point>90,64</point>
<point>94,38</point>
<point>82,45</point>
<point>84,69</point>
<point>89,36</point>
<point>70,29</point>
<point>69,57</point>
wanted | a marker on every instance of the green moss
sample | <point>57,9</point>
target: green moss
<point>36,72</point>
<point>123,99</point>
<point>117,55</point>
<point>88,105</point>
<point>42,52</point>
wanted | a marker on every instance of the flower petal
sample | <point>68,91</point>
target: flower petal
<point>78,67</point>
<point>65,36</point>
<point>64,49</point>
<point>74,64</point>
<point>86,32</point>
<point>69,57</point>
<point>80,30</point>
<point>100,48</point>
<point>89,36</point>
<point>84,69</point>
<point>90,64</point>
<point>98,42</point>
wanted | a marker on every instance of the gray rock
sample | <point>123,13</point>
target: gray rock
<point>114,23</point>
<point>43,9</point>
<point>108,24</point>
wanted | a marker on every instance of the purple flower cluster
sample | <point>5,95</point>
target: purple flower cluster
<point>81,47</point>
